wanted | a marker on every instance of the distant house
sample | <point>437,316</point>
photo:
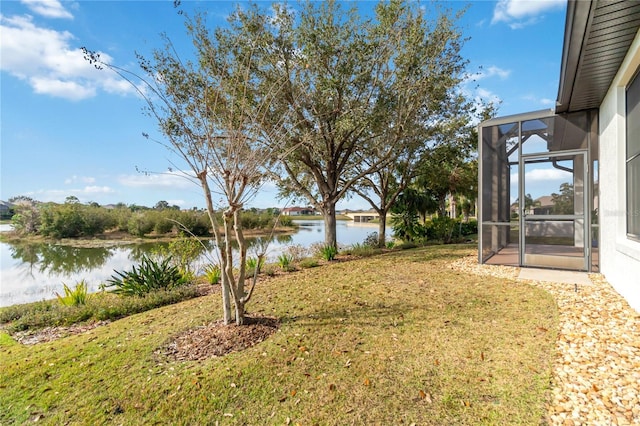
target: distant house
<point>543,205</point>
<point>362,215</point>
<point>6,209</point>
<point>299,211</point>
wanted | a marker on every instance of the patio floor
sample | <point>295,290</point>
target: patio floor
<point>509,255</point>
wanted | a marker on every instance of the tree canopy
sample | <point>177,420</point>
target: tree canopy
<point>356,89</point>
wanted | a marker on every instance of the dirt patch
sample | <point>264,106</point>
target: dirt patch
<point>217,339</point>
<point>49,334</point>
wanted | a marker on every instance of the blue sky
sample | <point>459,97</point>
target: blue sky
<point>67,129</point>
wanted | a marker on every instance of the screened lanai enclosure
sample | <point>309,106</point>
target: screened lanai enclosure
<point>538,190</point>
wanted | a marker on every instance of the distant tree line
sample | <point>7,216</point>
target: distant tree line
<point>73,219</point>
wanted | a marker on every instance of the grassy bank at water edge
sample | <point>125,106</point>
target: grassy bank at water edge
<point>396,338</point>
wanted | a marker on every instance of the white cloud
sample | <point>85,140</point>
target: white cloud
<point>542,175</point>
<point>173,180</point>
<point>75,178</point>
<point>59,195</point>
<point>484,96</point>
<point>48,62</point>
<point>521,13</point>
<point>539,101</point>
<point>491,71</point>
<point>48,8</point>
<point>94,189</point>
<point>63,89</point>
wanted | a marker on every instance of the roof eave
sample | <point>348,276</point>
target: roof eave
<point>576,25</point>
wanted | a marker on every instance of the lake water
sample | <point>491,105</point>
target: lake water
<point>32,272</point>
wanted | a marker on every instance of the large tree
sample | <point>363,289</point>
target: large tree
<point>446,108</point>
<point>354,86</point>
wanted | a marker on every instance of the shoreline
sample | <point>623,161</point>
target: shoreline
<point>119,238</point>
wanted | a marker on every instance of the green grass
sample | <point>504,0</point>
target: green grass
<point>398,338</point>
<point>99,306</point>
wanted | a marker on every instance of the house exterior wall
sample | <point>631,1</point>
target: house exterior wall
<point>619,256</point>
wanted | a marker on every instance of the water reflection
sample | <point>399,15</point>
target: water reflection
<point>30,272</point>
<point>58,259</point>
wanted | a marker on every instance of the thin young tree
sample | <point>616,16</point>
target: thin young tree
<point>208,111</point>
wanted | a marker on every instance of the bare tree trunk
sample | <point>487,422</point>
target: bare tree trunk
<point>442,206</point>
<point>382,228</point>
<point>227,275</point>
<point>224,282</point>
<point>454,205</point>
<point>239,296</point>
<point>329,214</point>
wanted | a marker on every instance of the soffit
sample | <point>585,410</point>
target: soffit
<point>597,37</point>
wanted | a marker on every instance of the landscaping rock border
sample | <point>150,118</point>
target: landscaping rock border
<point>596,373</point>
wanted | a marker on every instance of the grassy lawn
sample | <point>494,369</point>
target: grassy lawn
<point>393,339</point>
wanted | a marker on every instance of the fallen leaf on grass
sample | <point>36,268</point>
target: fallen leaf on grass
<point>367,382</point>
<point>425,396</point>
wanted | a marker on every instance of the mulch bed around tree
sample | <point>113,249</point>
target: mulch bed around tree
<point>217,339</point>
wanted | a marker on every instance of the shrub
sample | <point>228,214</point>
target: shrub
<point>163,226</point>
<point>285,221</point>
<point>149,276</point>
<point>309,263</point>
<point>196,222</point>
<point>285,261</point>
<point>448,230</point>
<point>27,219</point>
<point>270,270</point>
<point>101,306</point>
<point>405,245</point>
<point>183,253</point>
<point>63,221</point>
<point>73,219</point>
<point>297,252</point>
<point>371,240</point>
<point>252,264</point>
<point>328,252</point>
<point>75,297</point>
<point>96,220</point>
<point>140,224</point>
<point>213,274</point>
<point>442,229</point>
<point>363,250</point>
<point>468,228</point>
<point>406,226</point>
